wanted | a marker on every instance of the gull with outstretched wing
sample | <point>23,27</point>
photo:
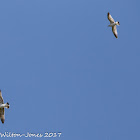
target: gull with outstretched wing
<point>113,24</point>
<point>2,106</point>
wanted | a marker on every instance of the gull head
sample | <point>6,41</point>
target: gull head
<point>117,23</point>
<point>7,105</point>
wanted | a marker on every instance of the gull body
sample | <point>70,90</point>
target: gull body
<point>113,24</point>
<point>2,106</point>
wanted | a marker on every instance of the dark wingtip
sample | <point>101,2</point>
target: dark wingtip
<point>115,35</point>
<point>2,120</point>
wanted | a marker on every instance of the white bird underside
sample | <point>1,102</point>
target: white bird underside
<point>113,24</point>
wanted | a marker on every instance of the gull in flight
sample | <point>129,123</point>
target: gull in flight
<point>113,24</point>
<point>2,106</point>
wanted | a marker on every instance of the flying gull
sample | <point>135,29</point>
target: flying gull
<point>2,106</point>
<point>113,24</point>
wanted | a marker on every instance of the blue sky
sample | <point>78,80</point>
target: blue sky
<point>62,69</point>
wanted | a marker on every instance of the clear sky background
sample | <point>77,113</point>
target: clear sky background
<point>62,69</point>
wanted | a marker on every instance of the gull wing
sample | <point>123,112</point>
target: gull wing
<point>110,18</point>
<point>2,115</point>
<point>114,30</point>
<point>1,109</point>
<point>1,99</point>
